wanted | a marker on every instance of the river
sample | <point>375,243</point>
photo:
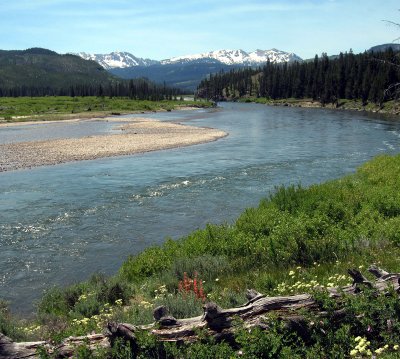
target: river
<point>60,224</point>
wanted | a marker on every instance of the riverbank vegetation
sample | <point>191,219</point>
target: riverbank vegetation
<point>365,78</point>
<point>391,107</point>
<point>17,109</point>
<point>298,240</point>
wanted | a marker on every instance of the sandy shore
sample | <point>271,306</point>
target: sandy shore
<point>137,136</point>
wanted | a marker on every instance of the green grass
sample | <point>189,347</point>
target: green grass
<point>295,239</point>
<point>39,108</point>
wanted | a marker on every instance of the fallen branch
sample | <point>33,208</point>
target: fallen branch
<point>217,321</point>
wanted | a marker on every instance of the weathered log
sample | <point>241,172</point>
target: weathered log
<point>12,350</point>
<point>378,272</point>
<point>216,321</point>
<point>68,347</point>
<point>9,349</point>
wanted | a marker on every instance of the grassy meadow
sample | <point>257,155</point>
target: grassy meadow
<point>297,240</point>
<point>17,109</point>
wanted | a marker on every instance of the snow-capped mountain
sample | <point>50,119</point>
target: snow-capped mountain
<point>117,60</point>
<point>237,57</point>
<point>273,55</point>
<point>227,57</point>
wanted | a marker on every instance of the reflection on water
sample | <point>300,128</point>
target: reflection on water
<point>61,223</point>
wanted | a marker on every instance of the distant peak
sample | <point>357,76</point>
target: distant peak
<point>117,59</point>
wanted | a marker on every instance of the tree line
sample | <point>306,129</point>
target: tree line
<point>138,89</point>
<point>366,76</point>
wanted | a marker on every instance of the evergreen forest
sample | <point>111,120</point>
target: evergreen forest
<point>369,76</point>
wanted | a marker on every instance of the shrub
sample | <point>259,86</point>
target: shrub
<point>8,326</point>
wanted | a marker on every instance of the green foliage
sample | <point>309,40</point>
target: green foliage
<point>84,299</point>
<point>8,326</point>
<point>276,342</point>
<point>152,260</point>
<point>182,305</point>
<point>202,351</point>
<point>207,267</point>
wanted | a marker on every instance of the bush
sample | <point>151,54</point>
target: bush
<point>8,325</point>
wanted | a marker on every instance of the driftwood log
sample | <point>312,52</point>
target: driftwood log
<point>218,322</point>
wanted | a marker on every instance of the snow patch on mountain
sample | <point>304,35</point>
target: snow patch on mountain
<point>237,57</point>
<point>273,55</point>
<point>117,60</point>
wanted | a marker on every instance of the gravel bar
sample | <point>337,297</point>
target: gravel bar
<point>138,136</point>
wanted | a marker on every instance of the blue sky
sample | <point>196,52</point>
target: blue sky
<point>163,29</point>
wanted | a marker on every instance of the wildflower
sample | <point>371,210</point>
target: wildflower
<point>189,285</point>
<point>298,268</point>
<point>217,279</point>
<point>379,350</point>
<point>354,352</point>
<point>395,347</point>
<point>82,297</point>
<point>291,273</point>
<point>118,302</point>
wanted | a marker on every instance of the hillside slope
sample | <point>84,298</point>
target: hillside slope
<point>44,68</point>
<point>184,76</point>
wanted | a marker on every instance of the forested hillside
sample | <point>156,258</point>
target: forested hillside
<point>41,72</point>
<point>365,76</point>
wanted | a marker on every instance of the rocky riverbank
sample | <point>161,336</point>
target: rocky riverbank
<point>388,108</point>
<point>137,136</point>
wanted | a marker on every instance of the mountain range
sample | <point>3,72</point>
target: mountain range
<point>187,71</point>
<point>227,57</point>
